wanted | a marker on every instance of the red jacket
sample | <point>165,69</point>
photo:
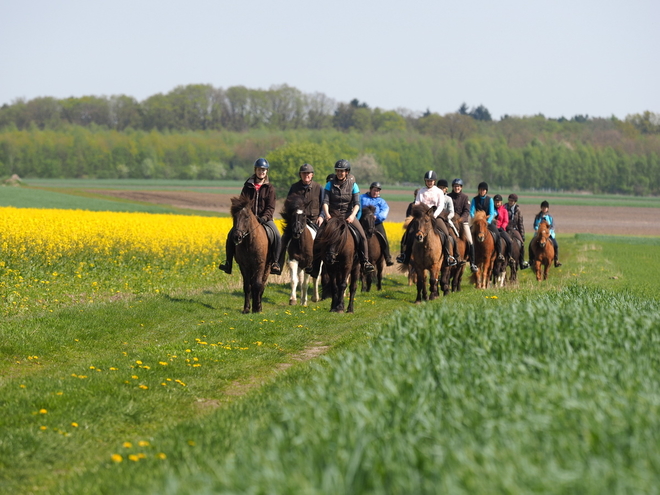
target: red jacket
<point>502,219</point>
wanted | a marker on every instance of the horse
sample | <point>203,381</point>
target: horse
<point>456,271</point>
<point>499,266</point>
<point>543,251</point>
<point>484,249</point>
<point>300,249</point>
<point>427,252</point>
<point>517,247</point>
<point>251,251</point>
<point>341,267</point>
<point>368,221</point>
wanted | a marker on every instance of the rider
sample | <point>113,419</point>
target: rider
<point>313,198</point>
<point>372,198</point>
<point>430,195</point>
<point>516,226</point>
<point>462,209</point>
<point>502,222</point>
<point>447,215</point>
<point>342,196</point>
<point>485,203</point>
<point>262,193</point>
<point>544,215</point>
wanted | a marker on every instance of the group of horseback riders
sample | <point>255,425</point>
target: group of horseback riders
<point>341,196</point>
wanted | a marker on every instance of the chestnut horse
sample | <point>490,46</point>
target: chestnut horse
<point>300,249</point>
<point>543,251</point>
<point>427,252</point>
<point>484,249</point>
<point>251,252</point>
<point>336,246</point>
<point>368,221</point>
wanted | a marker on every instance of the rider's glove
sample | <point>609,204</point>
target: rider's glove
<point>263,220</point>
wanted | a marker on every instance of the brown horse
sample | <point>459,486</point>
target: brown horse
<point>300,249</point>
<point>335,245</point>
<point>484,249</point>
<point>543,251</point>
<point>368,221</point>
<point>456,271</point>
<point>427,252</point>
<point>251,253</point>
<point>517,247</point>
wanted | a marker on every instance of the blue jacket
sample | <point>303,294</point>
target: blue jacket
<point>382,208</point>
<point>548,218</point>
<point>484,203</point>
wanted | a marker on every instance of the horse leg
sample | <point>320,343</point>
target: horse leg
<point>315,283</point>
<point>421,286</point>
<point>304,286</point>
<point>353,289</point>
<point>379,276</point>
<point>247,292</point>
<point>445,274</point>
<point>537,269</point>
<point>293,265</point>
<point>257,293</point>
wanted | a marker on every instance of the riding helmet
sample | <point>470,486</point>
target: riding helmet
<point>376,185</point>
<point>430,175</point>
<point>443,183</point>
<point>261,163</point>
<point>457,182</point>
<point>483,185</point>
<point>497,197</point>
<point>306,168</point>
<point>514,197</point>
<point>343,165</point>
<point>545,204</point>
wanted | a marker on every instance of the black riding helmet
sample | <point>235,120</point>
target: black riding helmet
<point>457,182</point>
<point>376,185</point>
<point>443,183</point>
<point>306,168</point>
<point>261,163</point>
<point>497,197</point>
<point>483,185</point>
<point>545,204</point>
<point>430,175</point>
<point>343,165</point>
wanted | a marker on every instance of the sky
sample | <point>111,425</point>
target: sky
<point>516,57</point>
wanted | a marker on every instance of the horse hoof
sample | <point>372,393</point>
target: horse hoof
<point>292,302</point>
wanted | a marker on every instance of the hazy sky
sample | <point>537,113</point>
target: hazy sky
<point>559,58</point>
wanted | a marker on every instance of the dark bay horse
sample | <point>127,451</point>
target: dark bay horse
<point>543,251</point>
<point>368,221</point>
<point>456,271</point>
<point>427,252</point>
<point>484,249</point>
<point>300,249</point>
<point>335,245</point>
<point>251,252</point>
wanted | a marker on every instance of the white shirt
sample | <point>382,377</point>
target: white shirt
<point>432,197</point>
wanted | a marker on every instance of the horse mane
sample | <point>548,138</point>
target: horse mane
<point>292,204</point>
<point>238,203</point>
<point>418,211</point>
<point>335,232</point>
<point>369,209</point>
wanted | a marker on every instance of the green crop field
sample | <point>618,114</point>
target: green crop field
<point>125,374</point>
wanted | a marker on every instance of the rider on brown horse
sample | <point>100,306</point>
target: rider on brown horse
<point>342,196</point>
<point>544,215</point>
<point>462,210</point>
<point>516,226</point>
<point>312,193</point>
<point>262,193</point>
<point>482,202</point>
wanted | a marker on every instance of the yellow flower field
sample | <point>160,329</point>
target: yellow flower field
<point>51,258</point>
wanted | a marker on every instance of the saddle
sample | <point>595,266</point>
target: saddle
<point>356,235</point>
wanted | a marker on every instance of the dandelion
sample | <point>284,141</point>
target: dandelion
<point>22,386</point>
<point>143,443</point>
<point>138,362</point>
<point>163,363</point>
<point>43,428</point>
<point>74,424</point>
<point>133,458</point>
<point>127,445</point>
<point>143,387</point>
<point>134,377</point>
<point>42,411</point>
<point>116,458</point>
<point>191,443</point>
<point>160,455</point>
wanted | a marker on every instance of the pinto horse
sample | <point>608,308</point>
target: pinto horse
<point>427,252</point>
<point>543,251</point>
<point>368,221</point>
<point>336,245</point>
<point>484,249</point>
<point>300,249</point>
<point>251,251</point>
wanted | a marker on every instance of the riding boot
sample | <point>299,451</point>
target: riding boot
<point>226,266</point>
<point>459,260</point>
<point>406,250</point>
<point>286,239</point>
<point>451,261</point>
<point>314,270</point>
<point>366,265</point>
<point>473,265</point>
<point>557,263</point>
<point>384,245</point>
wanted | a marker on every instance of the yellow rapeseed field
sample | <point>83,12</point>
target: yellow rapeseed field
<point>51,258</point>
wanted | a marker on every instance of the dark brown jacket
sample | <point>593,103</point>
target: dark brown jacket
<point>264,199</point>
<point>461,205</point>
<point>515,220</point>
<point>312,195</point>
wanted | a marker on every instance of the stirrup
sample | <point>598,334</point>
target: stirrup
<point>474,268</point>
<point>524,265</point>
<point>451,261</point>
<point>401,258</point>
<point>389,262</point>
<point>275,269</point>
<point>367,267</point>
<point>557,264</point>
<point>501,257</point>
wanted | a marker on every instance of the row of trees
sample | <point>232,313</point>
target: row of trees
<point>201,107</point>
<point>602,160</point>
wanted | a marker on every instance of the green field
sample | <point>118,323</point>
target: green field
<point>542,388</point>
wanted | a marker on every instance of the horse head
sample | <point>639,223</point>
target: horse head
<point>543,234</point>
<point>424,222</point>
<point>244,219</point>
<point>368,220</point>
<point>479,226</point>
<point>294,214</point>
